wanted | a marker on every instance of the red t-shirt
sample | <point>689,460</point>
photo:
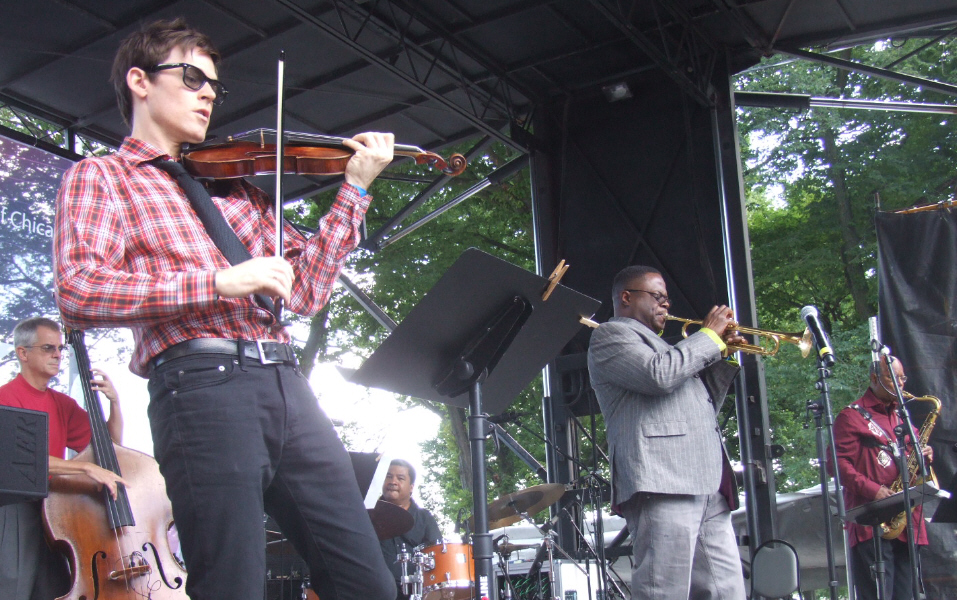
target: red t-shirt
<point>69,424</point>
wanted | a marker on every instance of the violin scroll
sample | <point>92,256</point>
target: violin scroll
<point>452,167</point>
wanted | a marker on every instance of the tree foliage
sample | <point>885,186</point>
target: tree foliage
<point>813,181</point>
<point>497,220</point>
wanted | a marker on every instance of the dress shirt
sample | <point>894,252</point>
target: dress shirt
<point>130,252</point>
<point>865,466</point>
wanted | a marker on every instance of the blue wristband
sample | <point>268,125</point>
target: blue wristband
<point>362,191</point>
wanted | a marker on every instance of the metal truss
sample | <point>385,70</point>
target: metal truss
<point>849,65</point>
<point>48,133</point>
<point>415,63</point>
<point>676,45</point>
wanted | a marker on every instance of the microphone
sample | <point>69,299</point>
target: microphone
<point>821,343</point>
<point>875,340</point>
<point>548,526</point>
<point>505,417</point>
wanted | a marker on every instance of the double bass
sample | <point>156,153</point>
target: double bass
<point>118,549</point>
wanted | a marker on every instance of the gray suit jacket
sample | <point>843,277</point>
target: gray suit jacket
<point>663,433</point>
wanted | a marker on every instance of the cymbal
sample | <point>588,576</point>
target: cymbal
<point>390,520</point>
<point>508,509</point>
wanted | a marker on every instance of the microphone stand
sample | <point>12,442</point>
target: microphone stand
<point>902,431</point>
<point>549,544</point>
<point>824,430</point>
<point>499,435</point>
<point>503,565</point>
<point>562,455</point>
<point>604,580</point>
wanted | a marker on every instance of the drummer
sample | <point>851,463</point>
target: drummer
<point>397,489</point>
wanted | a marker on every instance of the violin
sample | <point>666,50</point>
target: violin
<point>118,549</point>
<point>248,154</point>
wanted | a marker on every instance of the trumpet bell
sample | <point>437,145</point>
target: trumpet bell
<point>803,341</point>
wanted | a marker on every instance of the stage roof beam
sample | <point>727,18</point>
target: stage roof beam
<point>413,80</point>
<point>806,101</point>
<point>495,177</point>
<point>375,241</point>
<point>664,58</point>
<point>849,65</point>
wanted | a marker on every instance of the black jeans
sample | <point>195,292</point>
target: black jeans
<point>897,573</point>
<point>236,441</point>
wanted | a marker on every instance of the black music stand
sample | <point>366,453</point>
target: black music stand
<point>24,455</point>
<point>880,511</point>
<point>366,466</point>
<point>476,340</point>
<point>947,509</point>
<point>874,513</point>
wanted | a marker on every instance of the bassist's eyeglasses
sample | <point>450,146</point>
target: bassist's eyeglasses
<point>50,348</point>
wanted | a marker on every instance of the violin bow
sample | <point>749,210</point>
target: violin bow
<point>277,306</point>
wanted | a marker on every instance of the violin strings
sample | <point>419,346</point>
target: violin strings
<point>316,138</point>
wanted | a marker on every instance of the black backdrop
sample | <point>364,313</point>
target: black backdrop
<point>917,291</point>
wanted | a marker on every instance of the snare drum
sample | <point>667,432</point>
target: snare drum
<point>452,576</point>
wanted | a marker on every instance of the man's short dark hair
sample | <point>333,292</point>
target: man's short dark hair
<point>149,47</point>
<point>626,276</point>
<point>398,462</point>
<point>25,333</point>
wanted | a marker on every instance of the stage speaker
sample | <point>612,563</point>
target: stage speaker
<point>571,581</point>
<point>24,462</point>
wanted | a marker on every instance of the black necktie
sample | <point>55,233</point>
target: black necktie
<point>213,220</point>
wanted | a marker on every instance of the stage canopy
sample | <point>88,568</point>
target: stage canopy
<point>435,72</point>
<point>624,109</point>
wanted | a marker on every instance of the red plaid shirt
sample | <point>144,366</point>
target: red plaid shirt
<point>130,252</point>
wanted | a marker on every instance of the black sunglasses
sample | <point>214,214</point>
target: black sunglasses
<point>194,79</point>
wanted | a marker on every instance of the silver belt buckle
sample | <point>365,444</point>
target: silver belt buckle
<point>262,353</point>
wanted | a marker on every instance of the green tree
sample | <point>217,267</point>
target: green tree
<point>812,181</point>
<point>497,221</point>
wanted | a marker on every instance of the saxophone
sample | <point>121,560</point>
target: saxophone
<point>893,528</point>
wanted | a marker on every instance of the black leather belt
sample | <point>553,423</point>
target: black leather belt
<point>267,353</point>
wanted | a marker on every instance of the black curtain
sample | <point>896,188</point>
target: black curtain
<point>917,275</point>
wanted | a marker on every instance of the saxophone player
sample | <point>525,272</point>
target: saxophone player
<point>864,437</point>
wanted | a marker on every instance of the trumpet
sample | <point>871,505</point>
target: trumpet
<point>801,340</point>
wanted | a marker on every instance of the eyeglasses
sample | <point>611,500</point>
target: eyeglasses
<point>658,296</point>
<point>195,79</point>
<point>50,348</point>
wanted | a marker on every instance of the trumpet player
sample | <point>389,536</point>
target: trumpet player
<point>865,440</point>
<point>670,474</point>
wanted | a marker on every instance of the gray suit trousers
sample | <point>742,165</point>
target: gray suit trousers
<point>683,547</point>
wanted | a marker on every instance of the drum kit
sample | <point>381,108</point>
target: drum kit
<point>287,576</point>
<point>447,571</point>
<point>444,571</point>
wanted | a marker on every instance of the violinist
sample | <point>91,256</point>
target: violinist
<point>29,569</point>
<point>236,429</point>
